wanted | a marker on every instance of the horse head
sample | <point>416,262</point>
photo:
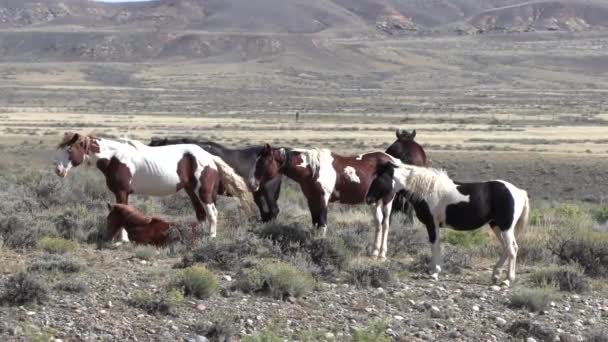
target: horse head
<point>72,151</point>
<point>267,165</point>
<point>406,149</point>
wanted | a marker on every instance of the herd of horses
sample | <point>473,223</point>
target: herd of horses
<point>398,179</point>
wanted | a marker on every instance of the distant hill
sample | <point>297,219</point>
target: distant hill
<point>89,30</point>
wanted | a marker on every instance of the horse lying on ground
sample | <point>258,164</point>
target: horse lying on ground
<point>328,177</point>
<point>241,160</point>
<point>146,230</point>
<point>131,167</point>
<point>438,201</point>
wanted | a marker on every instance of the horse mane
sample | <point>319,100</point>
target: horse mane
<point>131,216</point>
<point>316,157</point>
<point>136,144</point>
<point>424,182</point>
<point>68,136</point>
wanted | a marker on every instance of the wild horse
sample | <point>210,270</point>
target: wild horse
<point>438,201</point>
<point>241,160</point>
<point>406,149</point>
<point>328,177</point>
<point>131,167</point>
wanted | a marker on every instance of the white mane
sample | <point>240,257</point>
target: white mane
<point>316,158</point>
<point>422,182</point>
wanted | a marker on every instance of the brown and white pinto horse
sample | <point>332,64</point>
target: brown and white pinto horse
<point>328,177</point>
<point>145,229</point>
<point>131,167</point>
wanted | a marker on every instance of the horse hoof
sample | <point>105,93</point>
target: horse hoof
<point>505,283</point>
<point>435,276</point>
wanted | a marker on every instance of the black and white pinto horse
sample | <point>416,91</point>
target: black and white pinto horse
<point>439,201</point>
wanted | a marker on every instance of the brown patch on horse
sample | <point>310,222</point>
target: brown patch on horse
<point>186,168</point>
<point>209,184</point>
<point>118,177</point>
<point>352,188</point>
<point>80,146</point>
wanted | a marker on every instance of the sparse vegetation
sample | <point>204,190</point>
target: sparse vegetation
<point>278,279</point>
<point>374,274</point>
<point>374,332</point>
<point>464,238</point>
<point>196,281</point>
<point>72,285</point>
<point>151,304</point>
<point>566,278</point>
<point>145,252</point>
<point>526,328</point>
<point>24,288</point>
<point>56,263</point>
<point>56,245</point>
<point>533,299</point>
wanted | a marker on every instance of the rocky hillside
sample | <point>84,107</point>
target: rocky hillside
<point>73,30</point>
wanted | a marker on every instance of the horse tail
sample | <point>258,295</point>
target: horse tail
<point>523,218</point>
<point>235,185</point>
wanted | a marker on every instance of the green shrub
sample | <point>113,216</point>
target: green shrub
<point>24,288</point>
<point>371,274</point>
<point>152,305</point>
<point>566,278</point>
<point>222,329</point>
<point>56,263</point>
<point>72,285</point>
<point>77,223</point>
<point>266,335</point>
<point>230,254</point>
<point>288,237</point>
<point>600,214</point>
<point>145,252</point>
<point>196,281</point>
<point>465,238</point>
<point>536,217</point>
<point>279,279</point>
<point>570,211</point>
<point>57,245</point>
<point>330,255</point>
<point>20,231</point>
<point>374,332</point>
<point>525,328</point>
<point>589,250</point>
<point>532,299</point>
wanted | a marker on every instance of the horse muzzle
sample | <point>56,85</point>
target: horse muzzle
<point>370,200</point>
<point>61,171</point>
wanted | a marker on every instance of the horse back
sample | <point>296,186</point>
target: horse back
<point>354,175</point>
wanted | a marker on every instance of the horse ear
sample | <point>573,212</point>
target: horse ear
<point>413,135</point>
<point>109,206</point>
<point>398,133</point>
<point>74,139</point>
<point>282,152</point>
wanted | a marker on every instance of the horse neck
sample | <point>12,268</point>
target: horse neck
<point>422,183</point>
<point>295,172</point>
<point>110,148</point>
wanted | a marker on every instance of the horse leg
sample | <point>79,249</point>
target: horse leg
<point>497,273</point>
<point>386,223</point>
<point>259,200</point>
<point>197,205</point>
<point>377,213</point>
<point>323,214</point>
<point>433,231</point>
<point>211,211</point>
<point>272,192</point>
<point>509,240</point>
<point>122,197</point>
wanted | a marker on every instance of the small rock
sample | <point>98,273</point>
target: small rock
<point>109,304</point>
<point>198,338</point>
<point>227,277</point>
<point>174,328</point>
<point>292,299</point>
<point>143,262</point>
<point>501,322</point>
<point>411,302</point>
<point>475,308</point>
<point>552,304</point>
<point>329,336</point>
<point>30,313</point>
<point>201,307</point>
<point>495,288</point>
<point>249,322</point>
<point>530,339</point>
<point>398,318</point>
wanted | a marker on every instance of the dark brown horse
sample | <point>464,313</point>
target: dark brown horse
<point>145,229</point>
<point>131,167</point>
<point>328,177</point>
<point>409,152</point>
<point>241,160</point>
